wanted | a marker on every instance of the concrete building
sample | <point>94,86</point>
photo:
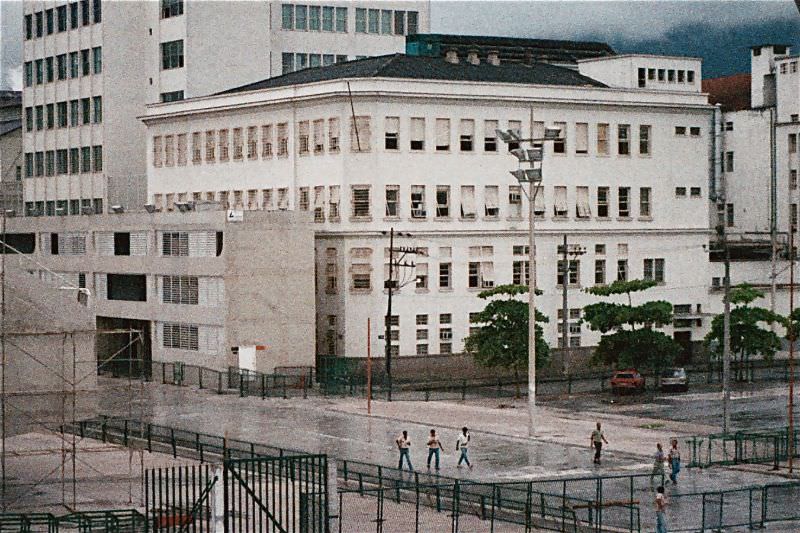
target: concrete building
<point>91,66</point>
<point>756,166</point>
<point>11,150</point>
<point>195,284</point>
<point>409,143</point>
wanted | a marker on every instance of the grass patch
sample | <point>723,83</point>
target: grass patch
<point>654,425</point>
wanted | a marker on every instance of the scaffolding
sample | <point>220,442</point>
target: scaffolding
<point>62,359</point>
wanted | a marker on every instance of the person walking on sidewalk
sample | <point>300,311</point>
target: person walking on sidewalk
<point>597,440</point>
<point>661,507</point>
<point>434,448</point>
<point>658,464</point>
<point>463,444</point>
<point>674,460</point>
<point>404,445</point>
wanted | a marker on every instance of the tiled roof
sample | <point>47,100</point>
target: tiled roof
<point>733,92</point>
<point>427,68</point>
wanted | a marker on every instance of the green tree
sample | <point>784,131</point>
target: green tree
<point>501,339</point>
<point>749,335</point>
<point>629,339</point>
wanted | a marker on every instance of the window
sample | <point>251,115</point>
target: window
<point>28,74</point>
<point>97,60</point>
<point>516,125</point>
<point>126,287</point>
<point>97,108</point>
<point>97,11</point>
<point>224,146</point>
<point>28,27</point>
<point>662,74</point>
<point>445,275</point>
<point>514,201</point>
<point>86,64</point>
<point>373,21</point>
<point>61,114</point>
<point>560,146</point>
<point>40,71</point>
<point>418,209</point>
<point>442,134</point>
<point>622,269</point>
<point>61,66</point>
<point>623,139</point>
<point>172,55</point>
<point>417,134</point>
<point>331,274</point>
<point>689,76</point>
<point>86,159</point>
<point>642,77</point>
<point>86,111</point>
<point>175,244</point>
<point>62,161</point>
<point>158,151</point>
<point>574,271</point>
<point>560,201</point>
<point>442,201</point>
<point>28,119</point>
<point>654,270</point>
<point>169,150</point>
<point>171,8</point>
<point>50,163</point>
<point>39,24</point>
<point>468,202</point>
<point>287,62</point>
<point>303,199</point>
<point>361,269</point>
<point>287,17</point>
<point>171,96</point>
<point>680,192</point>
<point>792,143</point>
<point>39,117</point>
<point>728,161</point>
<point>623,202</point>
<point>341,19</point>
<point>680,130</point>
<point>50,24</point>
<point>386,21</point>
<point>197,147</point>
<point>301,17</point>
<point>252,142</point>
<point>74,65</point>
<point>490,135</point>
<point>602,139</point>
<point>180,336</point>
<point>671,76</point>
<point>793,178</point>
<point>729,215</point>
<point>333,203</point>
<point>97,158</point>
<point>180,290</point>
<point>466,135</point>
<point>266,141</point>
<point>491,201</point>
<point>421,273</point>
<point>645,202</point>
<point>360,134</point>
<point>694,131</point>
<point>319,136</point>
<point>211,146</point>
<point>360,199</point>
<point>793,217</point>
<point>182,149</point>
<point>399,22</point>
<point>599,271</point>
<point>644,140</point>
<point>327,18</point>
<point>392,127</point>
<point>39,156</point>
<point>361,20</point>
<point>48,65</point>
<point>581,138</point>
<point>74,160</point>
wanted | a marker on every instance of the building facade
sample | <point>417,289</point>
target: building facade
<point>196,285</point>
<point>409,143</point>
<point>91,66</point>
<point>11,151</point>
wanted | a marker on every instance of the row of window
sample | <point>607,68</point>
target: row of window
<point>313,18</point>
<point>180,290</point>
<point>61,18</point>
<point>63,66</point>
<point>64,114</point>
<point>64,161</point>
<point>664,75</point>
<point>313,135</point>
<point>291,61</point>
<point>83,206</point>
<point>386,21</point>
<point>193,337</point>
<point>789,68</point>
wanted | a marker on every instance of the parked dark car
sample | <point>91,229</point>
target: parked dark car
<point>674,379</point>
<point>628,380</point>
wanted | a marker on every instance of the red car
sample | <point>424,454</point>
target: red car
<point>627,380</point>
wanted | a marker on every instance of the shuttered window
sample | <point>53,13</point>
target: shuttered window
<point>417,134</point>
<point>360,134</point>
<point>581,138</point>
<point>468,202</point>
<point>442,134</point>
<point>560,201</point>
<point>492,204</point>
<point>582,207</point>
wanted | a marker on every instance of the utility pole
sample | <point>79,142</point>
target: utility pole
<point>390,284</point>
<point>3,364</point>
<point>726,335</point>
<point>792,339</point>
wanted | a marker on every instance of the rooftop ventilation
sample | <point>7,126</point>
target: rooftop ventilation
<point>472,57</point>
<point>451,56</point>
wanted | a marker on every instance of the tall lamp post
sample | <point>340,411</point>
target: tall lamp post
<point>534,157</point>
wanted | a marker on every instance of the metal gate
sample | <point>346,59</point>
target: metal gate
<point>265,495</point>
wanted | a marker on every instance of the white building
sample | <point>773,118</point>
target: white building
<point>409,143</point>
<point>91,66</point>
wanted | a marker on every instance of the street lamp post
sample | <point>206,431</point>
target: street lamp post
<point>533,177</point>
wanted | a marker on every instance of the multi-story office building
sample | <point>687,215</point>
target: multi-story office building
<point>202,290</point>
<point>756,167</point>
<point>409,143</point>
<point>11,151</point>
<point>90,67</point>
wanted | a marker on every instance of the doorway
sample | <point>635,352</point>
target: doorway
<point>123,347</point>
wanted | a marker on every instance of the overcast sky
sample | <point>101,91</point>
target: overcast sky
<point>720,31</point>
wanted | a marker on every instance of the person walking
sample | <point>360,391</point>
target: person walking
<point>404,445</point>
<point>462,444</point>
<point>674,460</point>
<point>658,464</point>
<point>661,507</point>
<point>434,448</point>
<point>596,441</point>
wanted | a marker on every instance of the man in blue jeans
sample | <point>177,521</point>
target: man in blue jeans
<point>463,444</point>
<point>434,448</point>
<point>404,445</point>
<point>661,507</point>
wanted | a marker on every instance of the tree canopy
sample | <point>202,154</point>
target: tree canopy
<point>501,339</point>
<point>629,339</point>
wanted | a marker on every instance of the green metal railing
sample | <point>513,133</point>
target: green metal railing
<point>767,446</point>
<point>109,521</point>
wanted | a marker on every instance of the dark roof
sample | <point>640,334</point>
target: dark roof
<point>10,98</point>
<point>513,49</point>
<point>426,68</point>
<point>9,126</point>
<point>732,92</point>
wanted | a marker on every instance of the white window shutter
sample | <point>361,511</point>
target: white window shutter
<point>100,285</point>
<point>581,137</point>
<point>468,201</point>
<point>417,129</point>
<point>442,132</point>
<point>105,243</point>
<point>139,243</point>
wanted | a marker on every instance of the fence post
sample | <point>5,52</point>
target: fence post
<point>569,383</point>
<point>150,438</point>
<point>775,445</point>
<point>200,377</point>
<point>172,440</point>
<point>285,397</point>
<point>528,508</point>
<point>303,383</point>
<point>163,373</point>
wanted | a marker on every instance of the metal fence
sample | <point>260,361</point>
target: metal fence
<point>266,494</point>
<point>767,446</point>
<point>109,521</point>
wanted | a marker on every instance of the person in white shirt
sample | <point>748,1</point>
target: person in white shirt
<point>404,445</point>
<point>434,448</point>
<point>463,444</point>
<point>661,507</point>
